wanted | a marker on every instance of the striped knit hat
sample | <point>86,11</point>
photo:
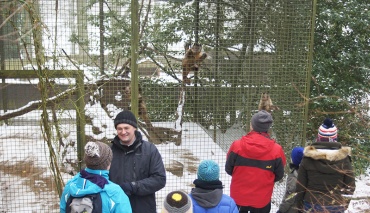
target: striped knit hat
<point>327,131</point>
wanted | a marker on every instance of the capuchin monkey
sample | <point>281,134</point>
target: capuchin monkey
<point>191,62</point>
<point>266,103</point>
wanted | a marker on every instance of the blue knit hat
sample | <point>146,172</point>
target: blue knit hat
<point>208,170</point>
<point>297,155</point>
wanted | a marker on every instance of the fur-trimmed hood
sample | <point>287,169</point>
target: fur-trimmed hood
<point>324,174</point>
<point>327,154</point>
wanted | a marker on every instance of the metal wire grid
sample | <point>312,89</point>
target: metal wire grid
<point>252,47</point>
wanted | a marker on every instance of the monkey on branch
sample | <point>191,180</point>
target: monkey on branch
<point>192,60</point>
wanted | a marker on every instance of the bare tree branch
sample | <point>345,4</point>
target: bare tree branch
<point>37,104</point>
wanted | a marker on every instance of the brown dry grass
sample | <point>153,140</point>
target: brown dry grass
<point>30,175</point>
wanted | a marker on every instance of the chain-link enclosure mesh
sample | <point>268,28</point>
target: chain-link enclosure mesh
<point>203,66</point>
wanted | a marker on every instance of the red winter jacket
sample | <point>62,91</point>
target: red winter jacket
<point>255,163</point>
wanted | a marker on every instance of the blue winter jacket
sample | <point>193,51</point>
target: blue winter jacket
<point>226,205</point>
<point>114,200</point>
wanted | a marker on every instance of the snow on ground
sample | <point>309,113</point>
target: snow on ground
<point>25,180</point>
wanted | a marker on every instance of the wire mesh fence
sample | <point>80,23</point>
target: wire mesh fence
<point>204,68</point>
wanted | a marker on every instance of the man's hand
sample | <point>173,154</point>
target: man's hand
<point>127,188</point>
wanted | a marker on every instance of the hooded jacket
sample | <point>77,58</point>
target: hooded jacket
<point>114,200</point>
<point>212,201</point>
<point>141,165</point>
<point>325,174</point>
<point>255,163</point>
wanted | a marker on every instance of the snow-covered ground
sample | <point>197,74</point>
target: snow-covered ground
<point>25,178</point>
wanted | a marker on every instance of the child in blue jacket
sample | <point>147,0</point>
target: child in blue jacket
<point>94,180</point>
<point>207,196</point>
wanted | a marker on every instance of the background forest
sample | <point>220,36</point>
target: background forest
<point>341,74</point>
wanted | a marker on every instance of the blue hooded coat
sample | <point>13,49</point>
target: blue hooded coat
<point>114,200</point>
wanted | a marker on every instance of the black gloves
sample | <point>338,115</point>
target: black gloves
<point>127,188</point>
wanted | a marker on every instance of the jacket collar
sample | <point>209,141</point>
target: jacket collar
<point>326,153</point>
<point>265,134</point>
<point>129,149</point>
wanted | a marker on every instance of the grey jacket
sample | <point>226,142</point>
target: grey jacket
<point>287,204</point>
<point>141,165</point>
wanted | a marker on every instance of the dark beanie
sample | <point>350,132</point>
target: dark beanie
<point>261,121</point>
<point>98,156</point>
<point>125,117</point>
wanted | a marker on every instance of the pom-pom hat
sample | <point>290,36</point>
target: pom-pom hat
<point>208,170</point>
<point>177,202</point>
<point>327,131</point>
<point>126,117</point>
<point>98,156</point>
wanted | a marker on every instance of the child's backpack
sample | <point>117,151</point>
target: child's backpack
<point>87,204</point>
